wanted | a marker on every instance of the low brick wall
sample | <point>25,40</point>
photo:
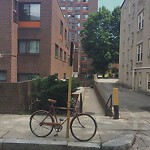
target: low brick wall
<point>15,97</point>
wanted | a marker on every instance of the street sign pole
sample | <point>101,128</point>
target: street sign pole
<point>69,90</point>
<point>72,38</point>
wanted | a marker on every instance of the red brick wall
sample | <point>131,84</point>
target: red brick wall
<point>15,97</point>
<point>8,40</point>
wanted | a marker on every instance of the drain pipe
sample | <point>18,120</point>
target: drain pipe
<point>133,75</point>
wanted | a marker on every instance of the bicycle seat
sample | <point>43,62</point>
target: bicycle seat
<point>51,101</point>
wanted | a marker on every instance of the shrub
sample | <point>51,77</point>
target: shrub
<point>52,88</point>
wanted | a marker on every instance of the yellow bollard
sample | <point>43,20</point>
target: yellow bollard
<point>116,103</point>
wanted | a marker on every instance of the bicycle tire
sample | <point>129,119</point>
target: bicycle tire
<point>83,127</point>
<point>37,118</point>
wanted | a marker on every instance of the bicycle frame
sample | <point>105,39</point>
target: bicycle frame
<point>54,116</point>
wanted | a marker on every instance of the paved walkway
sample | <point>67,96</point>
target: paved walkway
<point>134,111</point>
<point>112,134</point>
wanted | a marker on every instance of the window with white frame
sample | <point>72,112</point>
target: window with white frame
<point>140,52</point>
<point>141,20</point>
<point>148,81</point>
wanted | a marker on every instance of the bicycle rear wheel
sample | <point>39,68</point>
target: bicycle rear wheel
<point>83,127</point>
<point>37,126</point>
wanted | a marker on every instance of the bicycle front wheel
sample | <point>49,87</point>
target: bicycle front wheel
<point>38,124</point>
<point>83,127</point>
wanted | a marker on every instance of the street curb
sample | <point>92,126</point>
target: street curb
<point>20,144</point>
<point>123,142</point>
<point>83,146</point>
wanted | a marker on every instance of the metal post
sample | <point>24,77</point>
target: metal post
<point>116,103</point>
<point>81,103</point>
<point>69,90</point>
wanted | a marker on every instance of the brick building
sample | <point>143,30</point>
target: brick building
<point>81,9</point>
<point>33,37</point>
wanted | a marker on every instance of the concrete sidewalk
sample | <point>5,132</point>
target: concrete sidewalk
<point>111,135</point>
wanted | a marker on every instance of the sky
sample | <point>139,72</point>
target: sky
<point>110,4</point>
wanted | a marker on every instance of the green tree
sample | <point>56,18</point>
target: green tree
<point>115,34</point>
<point>98,37</point>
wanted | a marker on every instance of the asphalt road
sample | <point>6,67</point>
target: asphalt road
<point>128,99</point>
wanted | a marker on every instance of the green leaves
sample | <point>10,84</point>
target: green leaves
<point>100,37</point>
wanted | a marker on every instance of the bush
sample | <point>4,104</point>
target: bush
<point>52,88</point>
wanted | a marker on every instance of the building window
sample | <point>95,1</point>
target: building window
<point>28,46</point>
<point>148,81</point>
<point>78,8</point>
<point>132,38</point>
<point>77,16</point>
<point>78,0</point>
<point>85,16</point>
<point>29,12</point>
<point>140,52</point>
<point>70,0</point>
<point>61,54</point>
<point>61,28</point>
<point>26,76</point>
<point>85,0</point>
<point>141,20</point>
<point>78,24</point>
<point>2,76</point>
<point>64,75</point>
<point>56,51</point>
<point>15,11</point>
<point>85,8</point>
<point>84,66</point>
<point>70,8</point>
<point>63,8</point>
<point>65,34</point>
<point>83,58</point>
<point>65,57</point>
<point>133,10</point>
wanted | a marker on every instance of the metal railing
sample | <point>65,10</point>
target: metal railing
<point>108,107</point>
